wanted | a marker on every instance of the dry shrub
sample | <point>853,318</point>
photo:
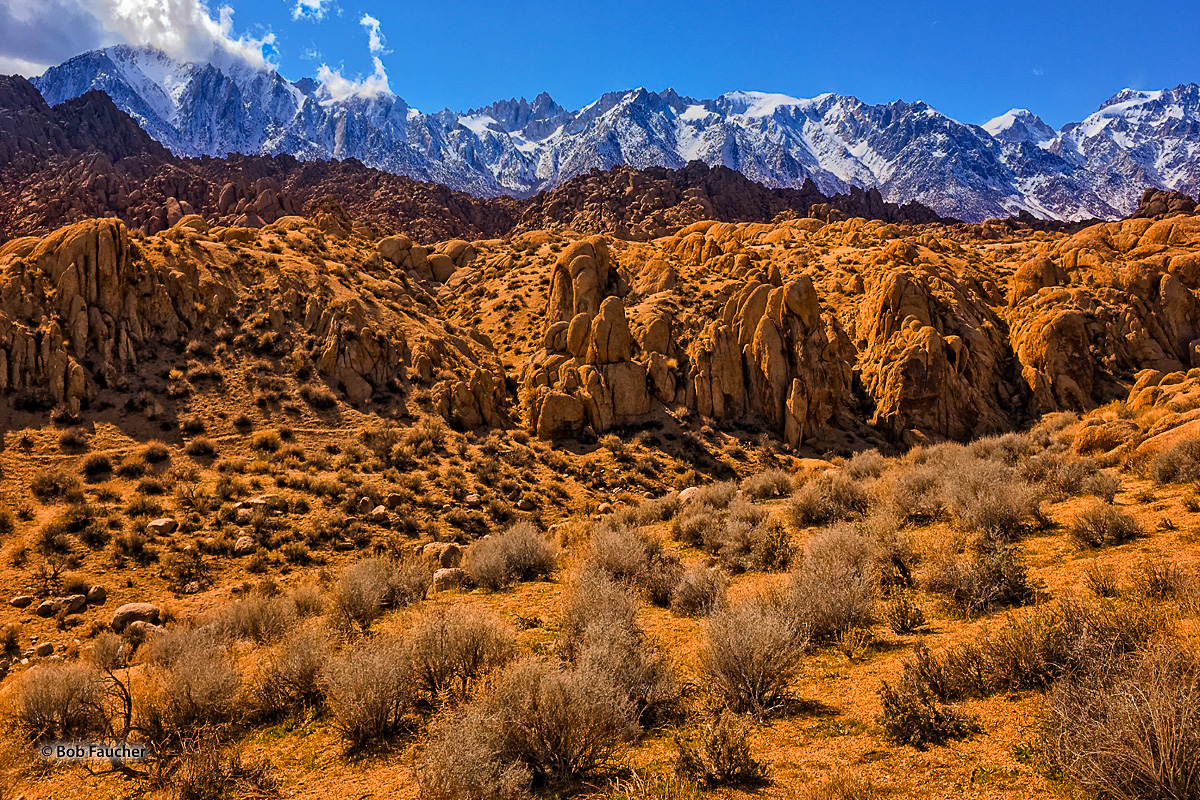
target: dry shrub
<point>58,702</point>
<point>902,612</point>
<point>715,495</point>
<point>55,485</point>
<point>289,680</point>
<point>1099,525</point>
<point>750,539</point>
<point>1130,732</point>
<point>193,685</point>
<point>519,554</point>
<point>991,576</point>
<point>625,657</point>
<point>464,759</point>
<point>700,592</point>
<point>697,523</point>
<point>256,619</point>
<point>205,770</point>
<point>541,723</point>
<point>1061,475</point>
<point>989,498</point>
<point>915,717</point>
<point>827,498</point>
<point>1180,464</point>
<point>621,551</point>
<point>750,654</point>
<point>450,649</point>
<point>592,597</point>
<point>836,586</point>
<point>864,465</point>
<point>369,586</point>
<point>722,757</point>
<point>768,485</point>
<point>916,493</point>
<point>1007,448</point>
<point>1067,639</point>
<point>369,690</point>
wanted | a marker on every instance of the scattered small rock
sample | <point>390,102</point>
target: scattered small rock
<point>21,601</point>
<point>449,578</point>
<point>135,612</point>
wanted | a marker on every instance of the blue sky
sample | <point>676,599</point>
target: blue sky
<point>971,60</point>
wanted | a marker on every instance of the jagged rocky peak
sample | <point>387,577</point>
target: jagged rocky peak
<point>1020,125</point>
<point>909,151</point>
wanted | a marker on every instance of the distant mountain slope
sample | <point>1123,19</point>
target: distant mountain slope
<point>87,158</point>
<point>911,152</point>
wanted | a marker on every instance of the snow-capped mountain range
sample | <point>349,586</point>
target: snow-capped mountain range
<point>910,151</point>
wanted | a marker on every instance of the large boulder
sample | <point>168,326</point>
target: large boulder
<point>135,612</point>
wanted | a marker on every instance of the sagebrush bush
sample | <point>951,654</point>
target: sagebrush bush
<point>700,592</point>
<point>369,586</point>
<point>722,757</point>
<point>256,619</point>
<point>750,654</point>
<point>465,759</point>
<point>768,485</point>
<point>1100,525</point>
<point>914,717</point>
<point>989,498</point>
<point>624,656</point>
<point>1130,732</point>
<point>521,553</point>
<point>369,690</point>
<point>827,498</point>
<point>592,597</point>
<point>54,485</point>
<point>450,649</point>
<point>289,680</point>
<point>540,723</point>
<point>193,684</point>
<point>836,586</point>
<point>59,702</point>
<point>1180,464</point>
<point>902,613</point>
<point>915,491</point>
<point>991,576</point>
<point>622,551</point>
<point>561,724</point>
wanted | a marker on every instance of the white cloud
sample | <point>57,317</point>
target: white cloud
<point>48,32</point>
<point>374,37</point>
<point>341,88</point>
<point>311,9</point>
<point>338,87</point>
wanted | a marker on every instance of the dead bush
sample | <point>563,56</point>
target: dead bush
<point>521,553</point>
<point>1131,732</point>
<point>541,724</point>
<point>836,586</point>
<point>369,692</point>
<point>827,498</point>
<point>989,498</point>
<point>624,656</point>
<point>991,576</point>
<point>592,597</point>
<point>750,654</point>
<point>722,757</point>
<point>902,613</point>
<point>913,716</point>
<point>621,551</point>
<point>369,586</point>
<point>193,684</point>
<point>700,592</point>
<point>1100,525</point>
<point>1180,464</point>
<point>256,619</point>
<point>465,759</point>
<point>289,680</point>
<point>768,485</point>
<point>563,725</point>
<point>56,702</point>
<point>204,769</point>
<point>916,493</point>
<point>450,649</point>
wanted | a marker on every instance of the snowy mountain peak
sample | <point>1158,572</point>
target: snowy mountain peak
<point>906,150</point>
<point>1020,125</point>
